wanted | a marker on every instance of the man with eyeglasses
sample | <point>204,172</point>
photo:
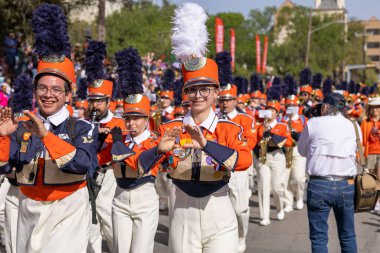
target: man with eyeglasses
<point>99,95</point>
<point>51,152</point>
<point>239,182</point>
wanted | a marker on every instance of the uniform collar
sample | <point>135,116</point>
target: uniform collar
<point>232,114</point>
<point>108,118</point>
<point>273,123</point>
<point>168,109</point>
<point>209,124</point>
<point>57,118</point>
<point>295,117</point>
<point>138,139</point>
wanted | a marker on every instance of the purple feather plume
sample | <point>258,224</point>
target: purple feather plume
<point>129,70</point>
<point>223,60</point>
<point>23,94</point>
<point>95,54</point>
<point>50,28</point>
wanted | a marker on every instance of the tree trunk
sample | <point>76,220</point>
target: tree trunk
<point>102,20</point>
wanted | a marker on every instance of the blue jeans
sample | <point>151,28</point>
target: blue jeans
<point>322,195</point>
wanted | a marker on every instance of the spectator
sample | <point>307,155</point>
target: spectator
<point>10,50</point>
<point>329,144</point>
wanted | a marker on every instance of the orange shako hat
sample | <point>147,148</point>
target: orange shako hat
<point>189,40</point>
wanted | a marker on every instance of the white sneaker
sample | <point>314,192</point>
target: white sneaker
<point>281,215</point>
<point>163,207</point>
<point>288,209</point>
<point>264,222</point>
<point>241,247</point>
<point>299,204</point>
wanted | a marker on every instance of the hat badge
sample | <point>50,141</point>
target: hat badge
<point>97,83</point>
<point>133,98</point>
<point>53,58</point>
<point>195,63</point>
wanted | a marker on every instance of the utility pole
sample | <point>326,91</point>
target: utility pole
<point>102,20</point>
<point>308,37</point>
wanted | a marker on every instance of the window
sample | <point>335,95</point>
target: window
<point>373,31</point>
<point>374,57</point>
<point>373,45</point>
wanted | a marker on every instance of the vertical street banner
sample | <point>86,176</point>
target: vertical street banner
<point>258,53</point>
<point>219,34</point>
<point>232,48</point>
<point>265,53</point>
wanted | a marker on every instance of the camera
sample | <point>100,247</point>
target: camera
<point>314,111</point>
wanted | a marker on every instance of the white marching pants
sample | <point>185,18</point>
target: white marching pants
<point>271,178</point>
<point>11,216</point>
<point>104,215</point>
<point>58,226</point>
<point>162,187</point>
<point>203,225</point>
<point>239,194</point>
<point>135,219</point>
<point>3,194</point>
<point>295,179</point>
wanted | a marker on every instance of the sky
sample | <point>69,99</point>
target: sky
<point>360,9</point>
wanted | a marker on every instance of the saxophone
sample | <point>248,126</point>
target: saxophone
<point>264,146</point>
<point>289,150</point>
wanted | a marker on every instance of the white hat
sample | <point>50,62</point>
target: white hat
<point>374,101</point>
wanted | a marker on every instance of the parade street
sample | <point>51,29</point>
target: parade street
<point>291,234</point>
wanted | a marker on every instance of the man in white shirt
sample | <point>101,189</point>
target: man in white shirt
<point>329,144</point>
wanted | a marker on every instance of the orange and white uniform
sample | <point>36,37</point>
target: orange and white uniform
<point>295,176</point>
<point>104,199</point>
<point>272,173</point>
<point>200,180</point>
<point>51,173</point>
<point>240,192</point>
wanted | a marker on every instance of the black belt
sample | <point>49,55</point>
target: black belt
<point>332,178</point>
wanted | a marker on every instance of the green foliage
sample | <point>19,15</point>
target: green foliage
<point>145,28</point>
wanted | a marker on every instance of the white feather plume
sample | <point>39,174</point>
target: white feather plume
<point>189,34</point>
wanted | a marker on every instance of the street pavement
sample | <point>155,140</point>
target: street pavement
<point>291,234</point>
<point>287,236</point>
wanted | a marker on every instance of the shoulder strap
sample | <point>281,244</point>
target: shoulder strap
<point>20,131</point>
<point>70,127</point>
<point>359,144</point>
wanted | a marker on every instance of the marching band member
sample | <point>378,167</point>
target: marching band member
<point>202,150</point>
<point>135,207</point>
<point>305,90</point>
<point>52,152</point>
<point>239,182</point>
<point>353,102</point>
<point>22,100</point>
<point>317,94</point>
<point>272,137</point>
<point>167,112</point>
<point>99,96</point>
<point>254,106</point>
<point>81,104</point>
<point>295,163</point>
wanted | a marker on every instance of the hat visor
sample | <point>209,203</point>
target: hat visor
<point>200,83</point>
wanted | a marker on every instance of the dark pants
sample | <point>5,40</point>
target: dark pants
<point>322,195</point>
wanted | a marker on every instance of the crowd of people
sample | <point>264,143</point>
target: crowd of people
<point>93,149</point>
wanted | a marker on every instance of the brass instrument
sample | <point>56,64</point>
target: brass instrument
<point>289,150</point>
<point>301,100</point>
<point>264,146</point>
<point>157,115</point>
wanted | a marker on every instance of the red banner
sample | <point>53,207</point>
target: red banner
<point>232,48</point>
<point>219,34</point>
<point>264,67</point>
<point>258,53</point>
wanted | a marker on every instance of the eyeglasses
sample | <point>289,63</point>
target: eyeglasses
<point>97,101</point>
<point>42,90</point>
<point>203,92</point>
